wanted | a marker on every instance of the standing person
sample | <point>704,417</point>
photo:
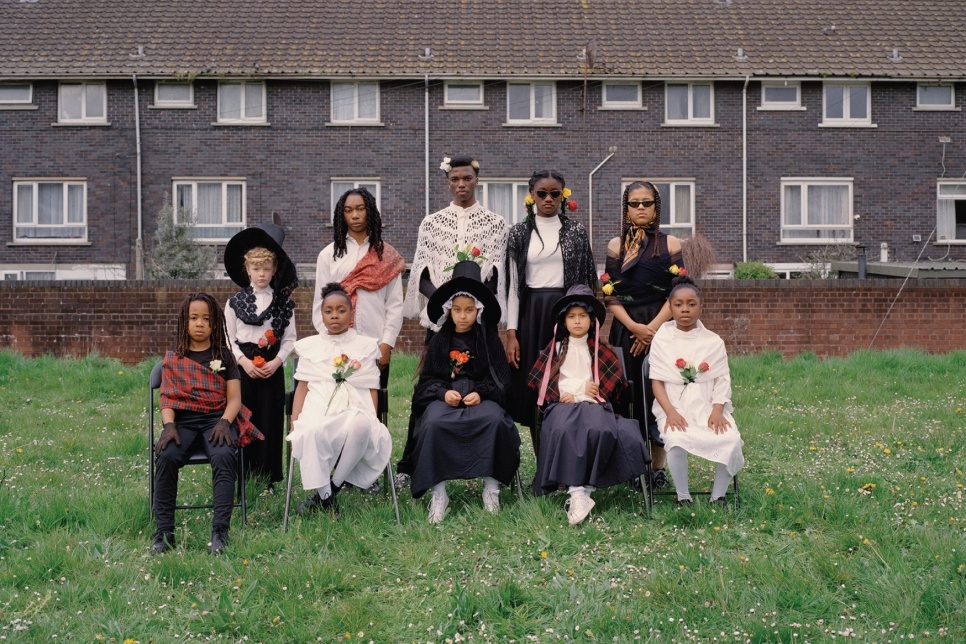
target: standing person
<point>547,254</point>
<point>464,223</point>
<point>637,279</point>
<point>461,429</point>
<point>369,269</point>
<point>200,402</point>
<point>692,394</point>
<point>260,320</point>
<point>583,445</point>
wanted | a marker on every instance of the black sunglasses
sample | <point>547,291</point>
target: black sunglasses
<point>553,194</point>
<point>640,204</point>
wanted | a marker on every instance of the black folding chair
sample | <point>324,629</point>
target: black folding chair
<point>198,457</point>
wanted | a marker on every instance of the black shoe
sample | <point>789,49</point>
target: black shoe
<point>659,479</point>
<point>720,502</point>
<point>309,505</point>
<point>685,503</point>
<point>219,540</point>
<point>635,483</point>
<point>162,543</point>
<point>269,490</point>
<point>331,503</point>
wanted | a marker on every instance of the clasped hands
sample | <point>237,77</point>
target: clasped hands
<point>453,398</point>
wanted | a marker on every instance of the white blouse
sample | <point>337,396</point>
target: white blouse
<point>239,331</point>
<point>545,267</point>
<point>576,370</point>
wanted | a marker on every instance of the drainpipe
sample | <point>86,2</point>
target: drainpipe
<point>590,195</point>
<point>139,244</point>
<point>744,171</point>
<point>426,141</point>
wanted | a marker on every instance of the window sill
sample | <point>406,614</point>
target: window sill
<point>241,124</point>
<point>859,126</point>
<point>13,108</point>
<point>50,242</point>
<point>776,108</point>
<point>816,242</point>
<point>617,108</point>
<point>172,107</point>
<point>686,124</point>
<point>938,108</point>
<point>530,124</point>
<point>355,124</point>
<point>481,108</point>
<point>82,124</point>
<point>949,242</point>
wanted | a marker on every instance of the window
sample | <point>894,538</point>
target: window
<point>83,103</point>
<point>781,96</point>
<point>621,96</point>
<point>340,185</point>
<point>677,205</point>
<point>951,211</point>
<point>531,103</point>
<point>463,94</point>
<point>689,104</point>
<point>847,105</point>
<point>50,211</point>
<point>217,207</point>
<point>241,102</point>
<point>935,97</point>
<point>504,197</point>
<point>16,93</point>
<point>174,95</point>
<point>355,102</point>
<point>816,210</point>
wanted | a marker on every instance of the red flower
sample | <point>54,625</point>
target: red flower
<point>270,336</point>
<point>475,252</point>
<point>258,361</point>
<point>703,367</point>
<point>683,271</point>
<point>680,363</point>
<point>605,277</point>
<point>454,354</point>
<point>572,206</point>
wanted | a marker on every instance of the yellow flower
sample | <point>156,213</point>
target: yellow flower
<point>337,361</point>
<point>607,289</point>
<point>566,193</point>
<point>543,554</point>
<point>674,270</point>
<point>528,200</point>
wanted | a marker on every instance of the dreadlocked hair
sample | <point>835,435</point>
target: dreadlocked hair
<point>682,282</point>
<point>338,289</point>
<point>655,226</point>
<point>340,229</point>
<point>530,207</point>
<point>219,333</point>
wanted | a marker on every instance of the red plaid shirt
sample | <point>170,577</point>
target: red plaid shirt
<point>189,386</point>
<point>612,382</point>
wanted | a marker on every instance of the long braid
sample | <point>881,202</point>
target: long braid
<point>216,317</point>
<point>340,229</point>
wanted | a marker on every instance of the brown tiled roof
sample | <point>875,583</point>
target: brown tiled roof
<point>483,38</point>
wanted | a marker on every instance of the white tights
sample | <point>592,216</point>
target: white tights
<point>677,463</point>
<point>489,483</point>
<point>581,489</point>
<point>356,443</point>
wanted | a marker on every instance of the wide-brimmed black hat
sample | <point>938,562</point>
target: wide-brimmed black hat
<point>269,236</point>
<point>466,278</point>
<point>581,294</point>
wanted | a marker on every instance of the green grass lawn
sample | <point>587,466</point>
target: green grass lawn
<point>852,523</point>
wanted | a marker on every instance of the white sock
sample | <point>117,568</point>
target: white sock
<point>490,484</point>
<point>440,488</point>
<point>721,481</point>
<point>677,464</point>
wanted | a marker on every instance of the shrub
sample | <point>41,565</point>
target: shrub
<point>175,254</point>
<point>754,271</point>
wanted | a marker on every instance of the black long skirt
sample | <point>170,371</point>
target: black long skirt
<point>643,393</point>
<point>534,331</point>
<point>265,397</point>
<point>463,443</point>
<point>586,444</point>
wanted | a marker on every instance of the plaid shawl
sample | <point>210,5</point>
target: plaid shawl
<point>188,386</point>
<point>371,274</point>
<point>611,383</point>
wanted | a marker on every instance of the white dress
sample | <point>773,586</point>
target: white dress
<point>695,400</point>
<point>320,432</point>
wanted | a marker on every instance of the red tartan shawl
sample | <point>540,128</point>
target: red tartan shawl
<point>611,377</point>
<point>188,386</point>
<point>371,274</point>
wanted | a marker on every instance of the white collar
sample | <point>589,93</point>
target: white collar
<point>349,335</point>
<point>581,341</point>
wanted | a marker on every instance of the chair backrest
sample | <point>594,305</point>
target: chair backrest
<point>154,382</point>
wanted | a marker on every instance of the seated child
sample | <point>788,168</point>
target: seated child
<point>462,430</point>
<point>583,444</point>
<point>692,394</point>
<point>336,435</point>
<point>200,403</point>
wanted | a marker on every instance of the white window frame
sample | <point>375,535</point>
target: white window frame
<point>846,120</point>
<point>621,105</point>
<point>355,120</point>
<point>84,119</point>
<point>463,104</point>
<point>767,105</point>
<point>805,183</point>
<point>533,120</point>
<point>519,188</point>
<point>14,102</point>
<point>948,193</point>
<point>951,106</point>
<point>670,224</point>
<point>230,228</point>
<point>169,103</point>
<point>32,220</point>
<point>241,119</point>
<point>339,185</point>
<point>690,119</point>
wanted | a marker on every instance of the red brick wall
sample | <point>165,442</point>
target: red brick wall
<point>133,320</point>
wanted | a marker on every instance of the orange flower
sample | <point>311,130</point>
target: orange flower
<point>258,361</point>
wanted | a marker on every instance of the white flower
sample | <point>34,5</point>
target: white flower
<point>475,164</point>
<point>445,165</point>
<point>216,366</point>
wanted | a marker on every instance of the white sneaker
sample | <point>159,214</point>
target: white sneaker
<point>578,507</point>
<point>437,507</point>
<point>491,500</point>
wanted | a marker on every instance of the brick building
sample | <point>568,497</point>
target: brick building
<point>774,127</point>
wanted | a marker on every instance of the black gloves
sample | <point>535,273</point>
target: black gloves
<point>169,434</point>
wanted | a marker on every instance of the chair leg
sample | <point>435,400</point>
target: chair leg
<point>737,494</point>
<point>242,492</point>
<point>391,484</point>
<point>519,485</point>
<point>288,490</point>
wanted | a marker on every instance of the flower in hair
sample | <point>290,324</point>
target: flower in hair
<point>566,193</point>
<point>475,164</point>
<point>528,200</point>
<point>445,165</point>
<point>572,206</point>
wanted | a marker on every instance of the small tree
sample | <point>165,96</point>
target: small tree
<point>175,254</point>
<point>820,260</point>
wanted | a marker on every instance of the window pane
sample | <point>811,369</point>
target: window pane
<point>339,188</point>
<point>15,93</point>
<point>952,189</point>
<point>368,101</point>
<point>793,205</point>
<point>946,219</point>
<point>857,103</point>
<point>50,203</point>
<point>518,102</point>
<point>71,102</point>
<point>932,95</point>
<point>253,100</point>
<point>184,204</point>
<point>75,204</point>
<point>173,92</point>
<point>834,96</point>
<point>234,204</point>
<point>622,93</point>
<point>95,100</point>
<point>209,203</point>
<point>229,101</point>
<point>25,204</point>
<point>372,188</point>
<point>701,95</point>
<point>677,102</point>
<point>682,205</point>
<point>343,102</point>
<point>499,198</point>
<point>464,93</point>
<point>781,94</point>
<point>828,205</point>
<point>543,101</point>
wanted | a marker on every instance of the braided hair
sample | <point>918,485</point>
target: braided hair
<point>682,282</point>
<point>219,333</point>
<point>655,226</point>
<point>373,222</point>
<point>530,207</point>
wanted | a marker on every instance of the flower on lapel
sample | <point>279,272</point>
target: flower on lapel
<point>216,366</point>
